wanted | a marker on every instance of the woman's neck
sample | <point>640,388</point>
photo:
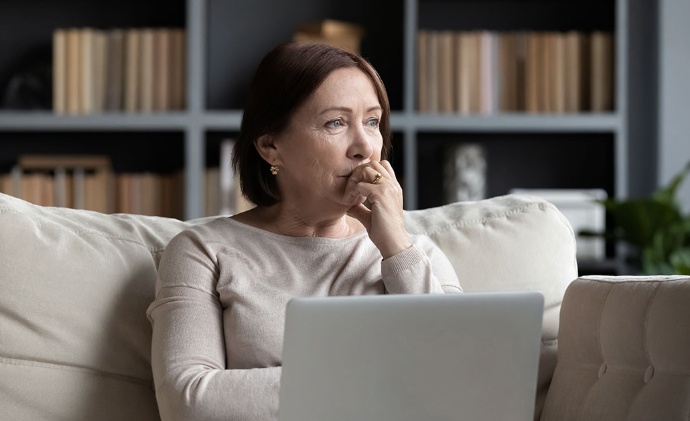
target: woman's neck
<point>294,222</point>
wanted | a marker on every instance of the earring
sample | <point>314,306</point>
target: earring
<point>274,170</point>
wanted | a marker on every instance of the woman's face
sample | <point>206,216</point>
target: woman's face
<point>333,132</point>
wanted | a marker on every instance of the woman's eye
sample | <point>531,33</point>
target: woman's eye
<point>373,122</point>
<point>335,123</point>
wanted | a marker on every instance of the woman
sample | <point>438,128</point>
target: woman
<point>312,147</point>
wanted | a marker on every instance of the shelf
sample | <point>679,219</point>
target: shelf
<point>47,121</point>
<point>225,43</point>
<point>583,123</point>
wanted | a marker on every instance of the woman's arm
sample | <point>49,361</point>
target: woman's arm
<point>420,269</point>
<point>188,347</point>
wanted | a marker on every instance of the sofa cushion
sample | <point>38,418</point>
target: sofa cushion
<point>624,350</point>
<point>74,338</point>
<point>513,242</point>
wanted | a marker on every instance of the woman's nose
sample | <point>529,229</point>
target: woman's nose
<point>360,145</point>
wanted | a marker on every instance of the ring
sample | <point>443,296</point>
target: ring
<point>377,178</point>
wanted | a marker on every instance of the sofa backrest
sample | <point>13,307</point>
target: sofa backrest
<point>74,338</point>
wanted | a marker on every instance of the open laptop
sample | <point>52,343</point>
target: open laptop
<point>471,356</point>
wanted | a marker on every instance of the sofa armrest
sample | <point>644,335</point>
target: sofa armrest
<point>624,350</point>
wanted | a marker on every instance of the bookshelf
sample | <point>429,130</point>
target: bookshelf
<point>227,38</point>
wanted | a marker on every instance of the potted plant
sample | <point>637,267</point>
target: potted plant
<point>654,228</point>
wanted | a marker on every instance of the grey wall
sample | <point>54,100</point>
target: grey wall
<point>674,93</point>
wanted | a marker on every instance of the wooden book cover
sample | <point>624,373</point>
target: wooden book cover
<point>146,89</point>
<point>114,100</point>
<point>602,66</point>
<point>446,74</point>
<point>132,70</point>
<point>73,88</point>
<point>60,71</point>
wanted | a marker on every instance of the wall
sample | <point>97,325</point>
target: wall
<point>674,93</point>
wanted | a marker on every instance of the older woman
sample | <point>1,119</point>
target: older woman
<point>315,134</point>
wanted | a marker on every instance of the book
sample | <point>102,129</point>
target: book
<point>161,69</point>
<point>177,69</point>
<point>432,80</point>
<point>74,76</point>
<point>446,73</point>
<point>60,71</point>
<point>602,70</point>
<point>116,70</point>
<point>488,72</point>
<point>147,70</point>
<point>558,104</point>
<point>465,70</point>
<point>132,77</point>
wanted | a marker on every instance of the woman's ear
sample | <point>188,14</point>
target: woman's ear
<point>266,147</point>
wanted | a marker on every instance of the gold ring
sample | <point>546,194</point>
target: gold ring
<point>377,178</point>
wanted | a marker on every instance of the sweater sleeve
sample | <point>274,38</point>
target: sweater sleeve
<point>188,349</point>
<point>421,269</point>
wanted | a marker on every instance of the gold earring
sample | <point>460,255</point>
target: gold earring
<point>274,170</point>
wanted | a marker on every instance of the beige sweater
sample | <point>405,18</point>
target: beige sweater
<point>219,311</point>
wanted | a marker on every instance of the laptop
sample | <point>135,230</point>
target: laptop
<point>471,356</point>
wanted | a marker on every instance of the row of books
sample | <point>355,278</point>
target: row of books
<point>487,72</point>
<point>88,182</point>
<point>133,70</point>
<point>137,193</point>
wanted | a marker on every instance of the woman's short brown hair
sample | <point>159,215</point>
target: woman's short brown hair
<point>285,78</point>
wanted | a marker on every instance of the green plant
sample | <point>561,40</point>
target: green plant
<point>655,228</point>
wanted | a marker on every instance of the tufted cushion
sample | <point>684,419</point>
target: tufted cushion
<point>624,350</point>
<point>74,338</point>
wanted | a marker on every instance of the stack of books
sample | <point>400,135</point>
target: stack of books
<point>137,70</point>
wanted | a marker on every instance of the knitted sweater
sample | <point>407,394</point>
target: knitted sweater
<point>219,312</point>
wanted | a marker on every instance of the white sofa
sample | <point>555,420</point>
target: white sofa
<point>75,340</point>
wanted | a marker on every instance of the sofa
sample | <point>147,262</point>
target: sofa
<point>75,340</point>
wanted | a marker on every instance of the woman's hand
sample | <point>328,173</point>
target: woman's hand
<point>384,221</point>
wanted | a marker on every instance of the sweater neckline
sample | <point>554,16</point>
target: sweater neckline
<point>295,239</point>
